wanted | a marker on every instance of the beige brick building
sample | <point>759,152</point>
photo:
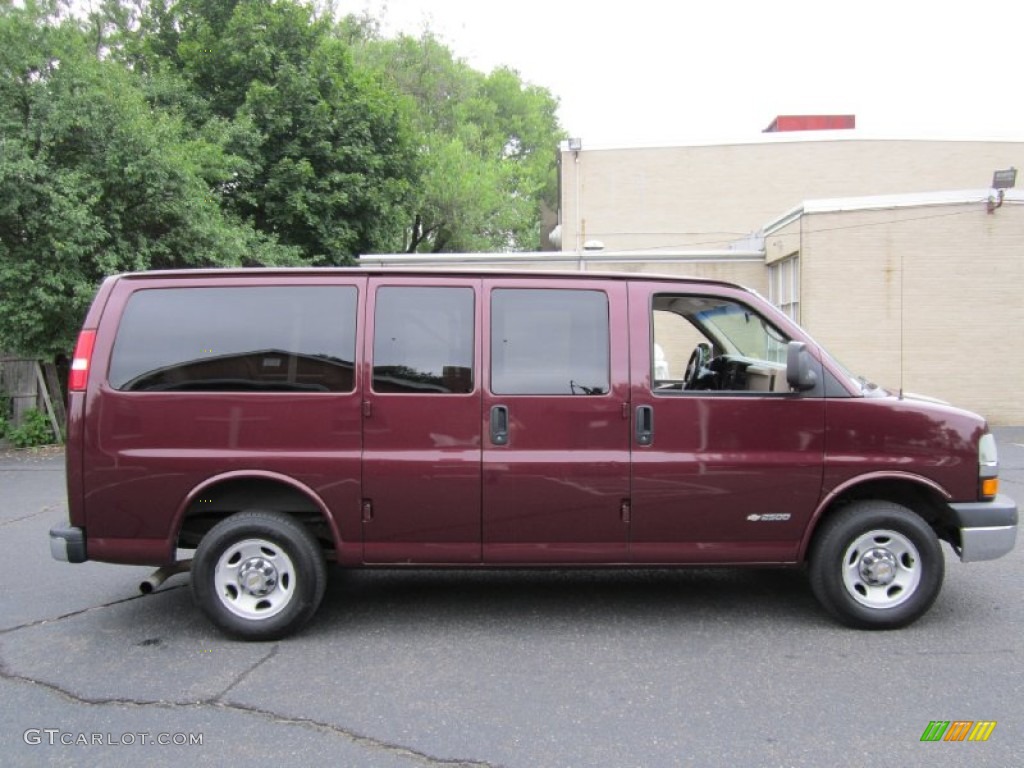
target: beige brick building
<point>711,196</point>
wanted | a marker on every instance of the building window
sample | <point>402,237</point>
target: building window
<point>784,286</point>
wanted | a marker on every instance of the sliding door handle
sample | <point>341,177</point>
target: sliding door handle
<point>499,425</point>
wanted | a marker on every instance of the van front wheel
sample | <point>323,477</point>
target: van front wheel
<point>876,565</point>
<point>258,575</point>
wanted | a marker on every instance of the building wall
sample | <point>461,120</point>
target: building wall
<point>927,297</point>
<point>710,196</point>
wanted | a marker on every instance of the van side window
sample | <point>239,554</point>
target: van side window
<point>549,342</point>
<point>423,340</point>
<point>245,339</point>
<point>713,344</point>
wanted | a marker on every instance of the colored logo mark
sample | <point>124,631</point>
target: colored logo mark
<point>958,730</point>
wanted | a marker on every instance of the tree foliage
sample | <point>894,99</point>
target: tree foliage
<point>151,134</point>
<point>328,160</point>
<point>93,182</point>
<point>487,145</point>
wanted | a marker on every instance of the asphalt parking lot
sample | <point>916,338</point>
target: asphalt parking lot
<point>516,669</point>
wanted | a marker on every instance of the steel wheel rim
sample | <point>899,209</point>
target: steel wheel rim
<point>255,579</point>
<point>881,569</point>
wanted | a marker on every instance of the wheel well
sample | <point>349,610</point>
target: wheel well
<point>226,498</point>
<point>924,501</point>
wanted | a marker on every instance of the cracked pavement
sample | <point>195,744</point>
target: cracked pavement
<point>530,669</point>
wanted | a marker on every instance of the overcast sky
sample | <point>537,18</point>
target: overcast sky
<point>657,72</point>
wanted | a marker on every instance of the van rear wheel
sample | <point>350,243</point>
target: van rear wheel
<point>876,565</point>
<point>258,575</point>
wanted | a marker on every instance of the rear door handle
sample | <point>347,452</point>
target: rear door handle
<point>644,424</point>
<point>499,424</point>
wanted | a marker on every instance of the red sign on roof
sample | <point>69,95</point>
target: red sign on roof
<point>811,123</point>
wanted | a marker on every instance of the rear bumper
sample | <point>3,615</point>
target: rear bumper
<point>988,529</point>
<point>67,544</point>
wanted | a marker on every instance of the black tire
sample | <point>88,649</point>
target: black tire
<point>258,575</point>
<point>876,565</point>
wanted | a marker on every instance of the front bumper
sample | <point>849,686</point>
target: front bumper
<point>988,529</point>
<point>67,543</point>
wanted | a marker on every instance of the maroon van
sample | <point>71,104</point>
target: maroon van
<point>274,421</point>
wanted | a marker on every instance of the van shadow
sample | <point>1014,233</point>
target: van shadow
<point>464,598</point>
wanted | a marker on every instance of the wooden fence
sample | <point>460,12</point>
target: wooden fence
<point>30,384</point>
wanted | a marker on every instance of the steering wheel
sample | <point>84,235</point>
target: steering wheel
<point>699,359</point>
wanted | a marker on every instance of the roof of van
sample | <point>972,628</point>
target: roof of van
<point>255,272</point>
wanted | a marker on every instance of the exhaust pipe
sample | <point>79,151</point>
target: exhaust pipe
<point>160,575</point>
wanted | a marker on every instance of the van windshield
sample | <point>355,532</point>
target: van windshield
<point>742,332</point>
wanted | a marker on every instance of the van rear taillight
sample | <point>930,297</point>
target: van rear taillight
<point>80,363</point>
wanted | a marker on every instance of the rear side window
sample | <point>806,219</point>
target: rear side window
<point>258,339</point>
<point>549,342</point>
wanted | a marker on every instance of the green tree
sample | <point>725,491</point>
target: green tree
<point>93,181</point>
<point>328,159</point>
<point>487,144</point>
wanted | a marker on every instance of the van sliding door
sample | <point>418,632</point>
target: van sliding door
<point>555,422</point>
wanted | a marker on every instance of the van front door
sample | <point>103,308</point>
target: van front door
<point>421,422</point>
<point>555,422</point>
<point>729,469</point>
